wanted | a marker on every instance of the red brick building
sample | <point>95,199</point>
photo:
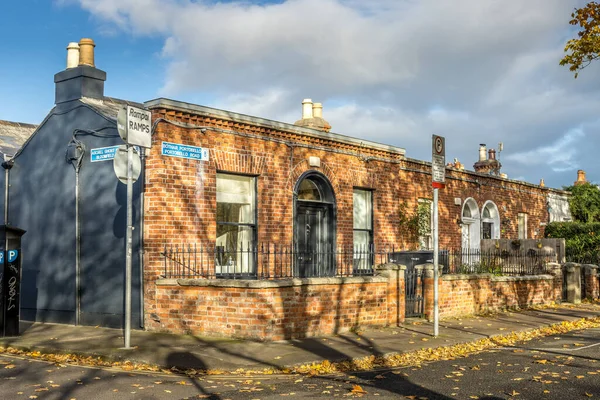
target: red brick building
<point>273,200</point>
<point>249,227</point>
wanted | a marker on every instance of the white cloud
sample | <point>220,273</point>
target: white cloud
<point>559,156</point>
<point>393,71</point>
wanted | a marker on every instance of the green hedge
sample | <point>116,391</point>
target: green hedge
<point>582,240</point>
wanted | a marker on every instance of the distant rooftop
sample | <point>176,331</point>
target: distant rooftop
<point>13,135</point>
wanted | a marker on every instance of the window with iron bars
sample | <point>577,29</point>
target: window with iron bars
<point>236,225</point>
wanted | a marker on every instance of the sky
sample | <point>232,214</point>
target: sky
<point>389,71</point>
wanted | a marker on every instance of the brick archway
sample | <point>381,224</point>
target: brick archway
<point>303,166</point>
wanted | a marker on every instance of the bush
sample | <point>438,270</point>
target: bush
<point>582,240</point>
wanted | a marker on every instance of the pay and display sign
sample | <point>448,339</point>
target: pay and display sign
<point>438,161</point>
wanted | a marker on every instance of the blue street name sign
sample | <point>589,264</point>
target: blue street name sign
<point>106,153</point>
<point>103,153</point>
<point>184,151</point>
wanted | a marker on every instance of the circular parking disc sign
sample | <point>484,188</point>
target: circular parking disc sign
<point>120,164</point>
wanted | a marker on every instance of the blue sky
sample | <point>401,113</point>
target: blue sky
<point>391,71</point>
<point>39,31</point>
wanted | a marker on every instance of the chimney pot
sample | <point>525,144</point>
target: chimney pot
<point>580,177</point>
<point>86,52</point>
<point>317,110</point>
<point>491,154</point>
<point>482,152</point>
<point>307,109</point>
<point>542,183</point>
<point>72,55</point>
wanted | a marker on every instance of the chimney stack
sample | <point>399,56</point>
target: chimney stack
<point>580,177</point>
<point>312,116</point>
<point>72,55</point>
<point>81,78</point>
<point>487,163</point>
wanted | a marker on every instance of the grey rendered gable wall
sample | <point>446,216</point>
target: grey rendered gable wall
<point>42,201</point>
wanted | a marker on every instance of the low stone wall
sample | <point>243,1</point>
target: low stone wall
<point>269,310</point>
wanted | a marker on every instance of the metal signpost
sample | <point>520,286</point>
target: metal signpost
<point>134,126</point>
<point>438,175</point>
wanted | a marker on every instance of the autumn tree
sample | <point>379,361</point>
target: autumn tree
<point>584,49</point>
<point>584,202</point>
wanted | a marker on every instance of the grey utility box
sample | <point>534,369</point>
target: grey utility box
<point>411,258</point>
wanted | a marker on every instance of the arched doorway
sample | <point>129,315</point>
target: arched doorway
<point>470,225</point>
<point>314,231</point>
<point>490,221</point>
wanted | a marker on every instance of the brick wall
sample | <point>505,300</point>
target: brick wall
<point>475,294</point>
<point>275,310</point>
<point>270,310</point>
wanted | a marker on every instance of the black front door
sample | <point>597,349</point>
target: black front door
<point>314,240</point>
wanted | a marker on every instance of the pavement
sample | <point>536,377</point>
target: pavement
<point>185,351</point>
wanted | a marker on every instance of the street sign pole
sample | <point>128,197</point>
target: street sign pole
<point>128,244</point>
<point>438,179</point>
<point>436,310</point>
<point>134,127</point>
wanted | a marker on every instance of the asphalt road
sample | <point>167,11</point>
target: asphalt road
<point>561,367</point>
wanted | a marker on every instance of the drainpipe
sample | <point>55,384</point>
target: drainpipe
<point>74,156</point>
<point>141,249</point>
<point>77,251</point>
<point>7,165</point>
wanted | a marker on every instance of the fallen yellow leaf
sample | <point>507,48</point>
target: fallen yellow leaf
<point>358,389</point>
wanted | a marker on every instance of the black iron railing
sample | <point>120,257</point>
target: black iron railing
<point>583,257</point>
<point>275,261</point>
<point>497,262</point>
<point>271,261</point>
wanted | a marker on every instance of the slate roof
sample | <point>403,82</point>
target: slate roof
<point>109,106</point>
<point>13,135</point>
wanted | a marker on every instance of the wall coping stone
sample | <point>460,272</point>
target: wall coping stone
<point>428,266</point>
<point>465,277</point>
<point>592,269</point>
<point>259,284</point>
<point>523,278</point>
<point>390,266</point>
<point>428,269</point>
<point>571,266</point>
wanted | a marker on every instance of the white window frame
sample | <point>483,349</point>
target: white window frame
<point>240,260</point>
<point>494,219</point>
<point>522,226</point>
<point>362,249</point>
